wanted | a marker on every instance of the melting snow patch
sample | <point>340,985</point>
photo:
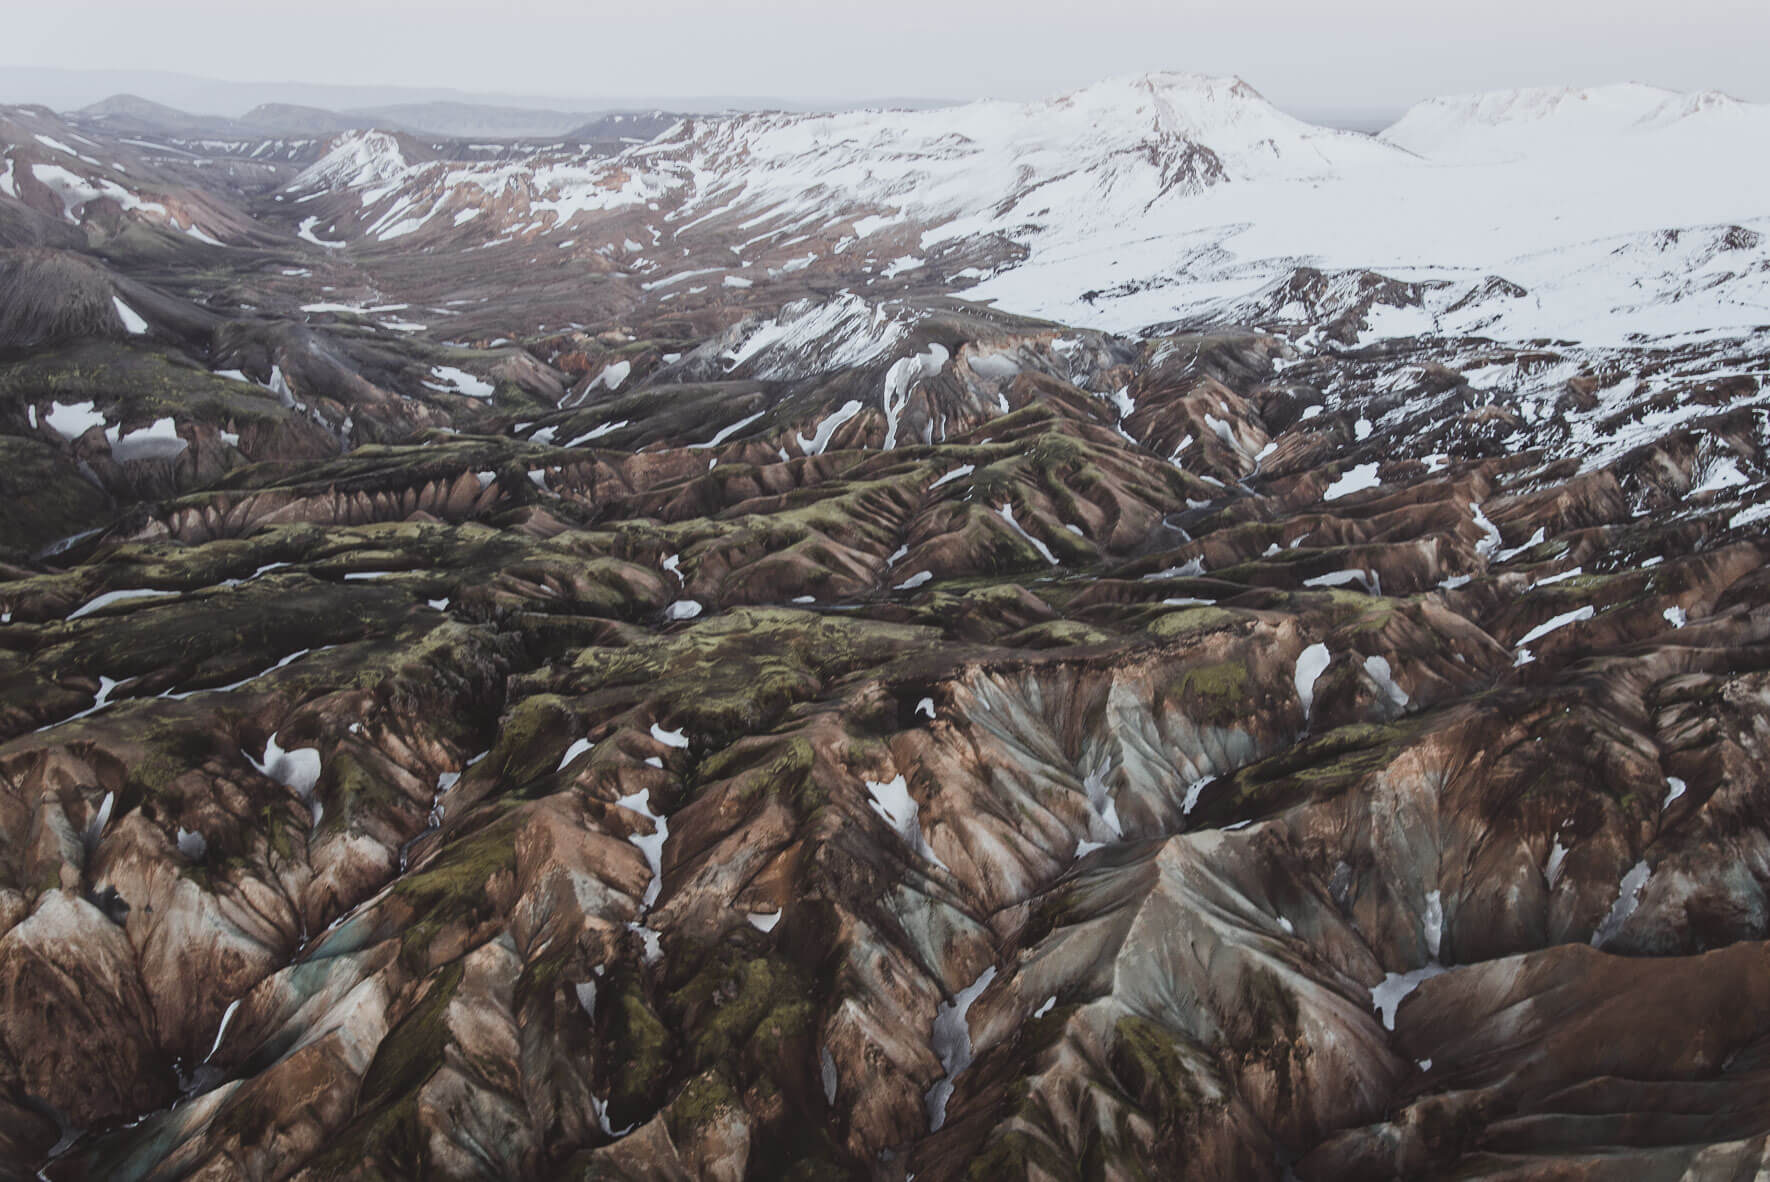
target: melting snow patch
<point>916,580</point>
<point>1432,923</point>
<point>1101,801</point>
<point>297,770</point>
<point>950,1040</point>
<point>891,799</point>
<point>306,233</point>
<point>1557,858</point>
<point>763,921</point>
<point>1558,578</point>
<point>612,376</point>
<point>110,597</point>
<point>961,470</point>
<point>1193,790</point>
<point>576,749</point>
<point>1387,996</point>
<point>926,706</point>
<point>1046,1006</point>
<point>901,378</point>
<point>1749,515</point>
<point>595,433</point>
<point>650,844</point>
<point>1674,789</point>
<point>1311,664</point>
<point>1560,621</point>
<point>727,432</point>
<point>669,738</point>
<point>1675,616</point>
<point>1377,668</point>
<point>1628,897</point>
<point>1723,473</point>
<point>1368,579</point>
<point>1007,514</point>
<point>1490,540</point>
<point>132,320</point>
<point>1361,477</point>
<point>1535,539</point>
<point>683,609</point>
<point>827,429</point>
<point>462,381</point>
<point>227,1016</point>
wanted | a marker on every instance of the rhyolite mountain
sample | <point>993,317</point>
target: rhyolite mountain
<point>1130,636</point>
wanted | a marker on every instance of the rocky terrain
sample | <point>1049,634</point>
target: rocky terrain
<point>945,644</point>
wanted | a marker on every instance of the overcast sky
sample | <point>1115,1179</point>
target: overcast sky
<point>1302,54</point>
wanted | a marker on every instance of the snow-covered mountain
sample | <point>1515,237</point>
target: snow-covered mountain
<point>1536,122</point>
<point>1146,201</point>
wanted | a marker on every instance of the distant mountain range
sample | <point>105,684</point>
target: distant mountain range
<point>433,110</point>
<point>129,114</point>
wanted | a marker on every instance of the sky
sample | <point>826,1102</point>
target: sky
<point>1304,55</point>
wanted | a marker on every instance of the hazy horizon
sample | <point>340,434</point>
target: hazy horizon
<point>1378,56</point>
